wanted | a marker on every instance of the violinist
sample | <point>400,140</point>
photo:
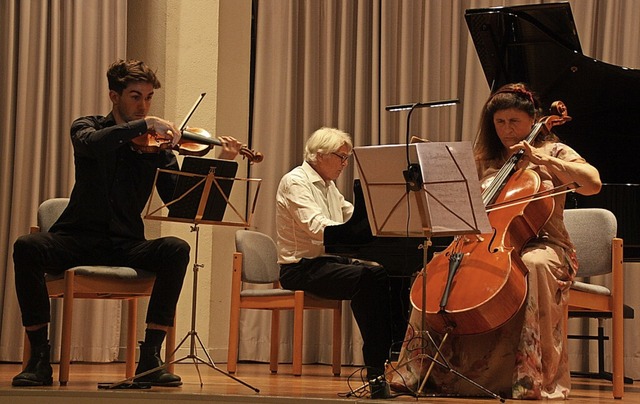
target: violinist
<point>102,224</point>
<point>526,358</point>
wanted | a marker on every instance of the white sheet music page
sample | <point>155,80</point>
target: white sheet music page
<point>452,188</point>
<point>448,203</point>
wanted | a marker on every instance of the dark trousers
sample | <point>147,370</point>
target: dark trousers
<point>40,253</point>
<point>367,287</point>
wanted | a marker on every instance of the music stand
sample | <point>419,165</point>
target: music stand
<point>441,198</point>
<point>211,198</point>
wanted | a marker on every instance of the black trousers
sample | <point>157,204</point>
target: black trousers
<point>40,253</point>
<point>367,286</point>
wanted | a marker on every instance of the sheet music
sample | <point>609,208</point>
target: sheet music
<point>452,188</point>
<point>448,204</point>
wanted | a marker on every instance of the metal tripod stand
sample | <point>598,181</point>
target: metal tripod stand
<point>192,336</point>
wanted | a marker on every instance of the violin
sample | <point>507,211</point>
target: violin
<point>479,282</point>
<point>193,142</point>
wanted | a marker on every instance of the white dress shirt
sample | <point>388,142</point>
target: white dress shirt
<point>306,204</point>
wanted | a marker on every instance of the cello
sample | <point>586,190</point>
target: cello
<point>479,282</point>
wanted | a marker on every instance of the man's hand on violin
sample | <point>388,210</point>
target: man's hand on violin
<point>230,147</point>
<point>163,129</point>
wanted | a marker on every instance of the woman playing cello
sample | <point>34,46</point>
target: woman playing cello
<point>526,358</point>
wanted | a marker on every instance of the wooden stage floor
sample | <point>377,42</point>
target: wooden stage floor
<point>316,385</point>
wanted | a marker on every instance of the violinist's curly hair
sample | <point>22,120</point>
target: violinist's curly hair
<point>123,72</point>
<point>487,146</point>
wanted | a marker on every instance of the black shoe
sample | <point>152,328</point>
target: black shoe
<point>379,388</point>
<point>38,371</point>
<point>150,359</point>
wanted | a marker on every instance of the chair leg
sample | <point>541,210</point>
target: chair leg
<point>234,315</point>
<point>275,341</point>
<point>132,315</point>
<point>600,342</point>
<point>170,347</point>
<point>617,316</point>
<point>617,349</point>
<point>234,335</point>
<point>67,320</point>
<point>337,341</point>
<point>298,319</point>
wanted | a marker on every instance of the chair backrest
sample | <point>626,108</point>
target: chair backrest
<point>259,257</point>
<point>49,211</point>
<point>592,231</point>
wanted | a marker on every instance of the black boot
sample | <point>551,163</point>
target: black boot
<point>150,359</point>
<point>38,371</point>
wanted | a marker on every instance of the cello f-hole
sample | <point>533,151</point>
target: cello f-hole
<point>493,237</point>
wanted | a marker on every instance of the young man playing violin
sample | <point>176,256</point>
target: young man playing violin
<point>102,225</point>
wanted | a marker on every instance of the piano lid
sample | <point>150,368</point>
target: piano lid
<point>539,45</point>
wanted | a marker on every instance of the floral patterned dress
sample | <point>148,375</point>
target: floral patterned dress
<point>526,358</point>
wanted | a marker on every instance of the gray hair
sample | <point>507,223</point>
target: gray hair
<point>325,141</point>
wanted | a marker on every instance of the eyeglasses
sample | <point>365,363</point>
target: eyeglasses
<point>343,157</point>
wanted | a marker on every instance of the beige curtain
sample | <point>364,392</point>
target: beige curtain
<point>339,63</point>
<point>318,62</point>
<point>51,50</point>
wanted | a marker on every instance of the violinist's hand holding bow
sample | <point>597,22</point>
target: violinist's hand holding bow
<point>163,129</point>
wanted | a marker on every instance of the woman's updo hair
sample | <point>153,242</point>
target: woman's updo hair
<point>516,96</point>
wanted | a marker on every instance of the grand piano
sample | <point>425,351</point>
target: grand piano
<point>401,256</point>
<point>539,45</point>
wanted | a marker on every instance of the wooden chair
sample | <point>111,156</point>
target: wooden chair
<point>94,282</point>
<point>256,262</point>
<point>593,231</point>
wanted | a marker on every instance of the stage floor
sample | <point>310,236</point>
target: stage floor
<point>316,385</point>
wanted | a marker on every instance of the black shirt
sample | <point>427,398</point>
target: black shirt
<point>112,181</point>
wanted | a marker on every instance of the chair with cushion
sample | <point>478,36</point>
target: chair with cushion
<point>94,282</point>
<point>593,231</point>
<point>255,262</point>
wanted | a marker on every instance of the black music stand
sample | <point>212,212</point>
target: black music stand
<point>204,196</point>
<point>440,198</point>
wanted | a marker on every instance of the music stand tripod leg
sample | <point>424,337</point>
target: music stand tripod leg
<point>193,334</point>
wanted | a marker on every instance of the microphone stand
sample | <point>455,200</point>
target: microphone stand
<point>413,174</point>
